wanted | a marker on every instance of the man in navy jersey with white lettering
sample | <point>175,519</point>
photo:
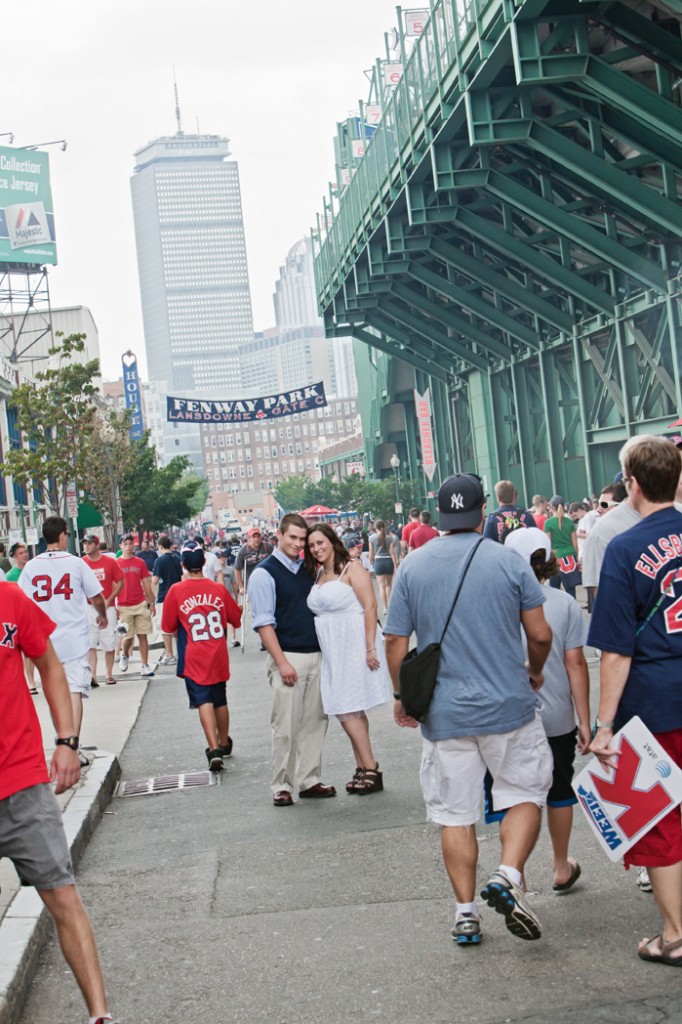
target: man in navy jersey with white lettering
<point>637,623</point>
<point>198,610</point>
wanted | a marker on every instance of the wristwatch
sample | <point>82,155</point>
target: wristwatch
<point>603,725</point>
<point>66,741</point>
<point>396,696</point>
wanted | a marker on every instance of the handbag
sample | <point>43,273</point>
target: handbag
<point>418,672</point>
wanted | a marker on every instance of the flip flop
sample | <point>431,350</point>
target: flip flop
<point>575,875</point>
<point>110,681</point>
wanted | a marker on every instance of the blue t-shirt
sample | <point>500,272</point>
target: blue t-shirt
<point>639,567</point>
<point>483,682</point>
<point>507,517</point>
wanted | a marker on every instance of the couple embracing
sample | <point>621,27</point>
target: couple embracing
<point>315,610</point>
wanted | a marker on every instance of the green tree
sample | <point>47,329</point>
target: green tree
<point>57,416</point>
<point>157,497</point>
<point>111,459</point>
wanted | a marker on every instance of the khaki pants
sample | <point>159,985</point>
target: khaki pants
<point>299,724</point>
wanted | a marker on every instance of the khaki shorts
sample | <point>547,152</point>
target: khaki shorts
<point>104,639</point>
<point>78,675</point>
<point>452,772</point>
<point>137,618</point>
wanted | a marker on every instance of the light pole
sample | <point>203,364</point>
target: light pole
<point>395,466</point>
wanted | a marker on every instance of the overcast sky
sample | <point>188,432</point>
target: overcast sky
<point>274,76</point>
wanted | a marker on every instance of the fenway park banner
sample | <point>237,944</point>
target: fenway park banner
<point>199,410</point>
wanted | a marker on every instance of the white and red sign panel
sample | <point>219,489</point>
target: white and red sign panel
<point>415,22</point>
<point>422,406</point>
<point>621,805</point>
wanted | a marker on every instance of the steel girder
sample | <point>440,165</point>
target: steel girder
<point>523,234</point>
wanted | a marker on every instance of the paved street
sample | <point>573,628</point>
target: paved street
<point>214,905</point>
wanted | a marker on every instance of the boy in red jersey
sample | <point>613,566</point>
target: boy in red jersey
<point>199,610</point>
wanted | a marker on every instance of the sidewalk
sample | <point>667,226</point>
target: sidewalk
<point>109,716</point>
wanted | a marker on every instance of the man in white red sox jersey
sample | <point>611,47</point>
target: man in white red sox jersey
<point>60,583</point>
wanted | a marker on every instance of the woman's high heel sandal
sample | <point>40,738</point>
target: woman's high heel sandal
<point>371,781</point>
<point>351,787</point>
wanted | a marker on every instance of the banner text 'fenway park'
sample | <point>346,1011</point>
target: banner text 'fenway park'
<point>199,410</point>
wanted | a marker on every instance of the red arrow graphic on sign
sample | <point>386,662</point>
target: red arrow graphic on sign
<point>641,804</point>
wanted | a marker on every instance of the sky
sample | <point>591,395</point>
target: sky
<point>273,76</point>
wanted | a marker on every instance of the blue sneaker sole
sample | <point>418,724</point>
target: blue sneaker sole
<point>517,921</point>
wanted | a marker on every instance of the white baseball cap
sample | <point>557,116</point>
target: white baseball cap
<point>527,541</point>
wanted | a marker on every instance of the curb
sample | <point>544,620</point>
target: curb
<point>27,924</point>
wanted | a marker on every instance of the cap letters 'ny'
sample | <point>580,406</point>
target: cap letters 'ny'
<point>460,500</point>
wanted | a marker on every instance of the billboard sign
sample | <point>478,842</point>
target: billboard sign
<point>422,407</point>
<point>191,410</point>
<point>131,390</point>
<point>26,211</point>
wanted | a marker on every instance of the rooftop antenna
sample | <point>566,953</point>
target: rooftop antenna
<point>177,103</point>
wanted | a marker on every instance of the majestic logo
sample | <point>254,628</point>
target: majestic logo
<point>457,501</point>
<point>27,224</point>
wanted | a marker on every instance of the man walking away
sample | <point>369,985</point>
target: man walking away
<point>110,577</point>
<point>198,610</point>
<point>278,591</point>
<point>509,514</point>
<point>61,584</point>
<point>484,712</point>
<point>167,571</point>
<point>31,829</point>
<point>423,533</point>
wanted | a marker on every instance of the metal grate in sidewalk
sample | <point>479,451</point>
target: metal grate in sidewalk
<point>167,783</point>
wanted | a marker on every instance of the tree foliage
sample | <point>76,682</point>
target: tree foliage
<point>351,494</point>
<point>57,415</point>
<point>154,497</point>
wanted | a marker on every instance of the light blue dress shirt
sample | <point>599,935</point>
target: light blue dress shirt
<point>261,590</point>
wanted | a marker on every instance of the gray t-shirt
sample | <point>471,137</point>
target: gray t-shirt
<point>608,526</point>
<point>564,615</point>
<point>483,682</point>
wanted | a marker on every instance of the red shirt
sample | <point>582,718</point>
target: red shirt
<point>422,535</point>
<point>408,530</point>
<point>134,571</point>
<point>23,627</point>
<point>108,571</point>
<point>199,610</point>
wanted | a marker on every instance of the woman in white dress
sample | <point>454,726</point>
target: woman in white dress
<point>354,672</point>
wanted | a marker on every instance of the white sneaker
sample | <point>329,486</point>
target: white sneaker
<point>147,670</point>
<point>167,659</point>
<point>123,664</point>
<point>82,758</point>
<point>643,880</point>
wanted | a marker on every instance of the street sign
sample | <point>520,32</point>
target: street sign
<point>31,535</point>
<point>398,507</point>
<point>72,500</point>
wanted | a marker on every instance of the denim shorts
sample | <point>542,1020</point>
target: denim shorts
<point>32,837</point>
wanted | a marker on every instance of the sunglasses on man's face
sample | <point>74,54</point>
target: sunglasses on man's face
<point>607,504</point>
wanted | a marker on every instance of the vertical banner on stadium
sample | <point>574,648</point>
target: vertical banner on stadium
<point>422,406</point>
<point>131,390</point>
<point>622,805</point>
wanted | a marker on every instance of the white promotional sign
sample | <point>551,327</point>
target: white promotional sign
<point>422,405</point>
<point>27,224</point>
<point>15,537</point>
<point>31,535</point>
<point>358,148</point>
<point>393,71</point>
<point>415,22</point>
<point>621,805</point>
<point>373,113</point>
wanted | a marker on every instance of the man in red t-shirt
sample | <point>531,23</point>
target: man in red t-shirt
<point>111,579</point>
<point>198,610</point>
<point>31,829</point>
<point>408,530</point>
<point>136,605</point>
<point>423,533</point>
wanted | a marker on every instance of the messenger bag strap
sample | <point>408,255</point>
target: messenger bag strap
<point>466,570</point>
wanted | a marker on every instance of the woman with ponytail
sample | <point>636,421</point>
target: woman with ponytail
<point>562,534</point>
<point>382,556</point>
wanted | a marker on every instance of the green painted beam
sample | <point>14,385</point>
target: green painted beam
<point>399,352</point>
<point>404,316</point>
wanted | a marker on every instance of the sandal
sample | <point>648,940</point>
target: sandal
<point>371,781</point>
<point>666,948</point>
<point>352,786</point>
<point>110,681</point>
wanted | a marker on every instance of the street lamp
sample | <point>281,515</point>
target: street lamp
<point>394,462</point>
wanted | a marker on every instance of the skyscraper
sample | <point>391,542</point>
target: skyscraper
<point>191,254</point>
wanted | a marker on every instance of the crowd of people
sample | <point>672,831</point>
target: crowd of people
<point>508,713</point>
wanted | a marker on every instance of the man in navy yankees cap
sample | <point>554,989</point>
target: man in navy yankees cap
<point>460,501</point>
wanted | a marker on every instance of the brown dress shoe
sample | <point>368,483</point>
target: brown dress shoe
<point>283,798</point>
<point>317,792</point>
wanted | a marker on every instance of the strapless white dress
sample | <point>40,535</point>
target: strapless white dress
<point>347,684</point>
